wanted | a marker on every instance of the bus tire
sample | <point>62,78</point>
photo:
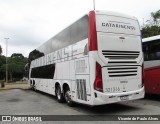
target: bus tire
<point>59,94</point>
<point>67,96</point>
<point>33,86</point>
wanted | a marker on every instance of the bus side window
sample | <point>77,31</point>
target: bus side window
<point>86,49</point>
<point>146,51</point>
<point>155,50</point>
<point>158,55</point>
<point>158,50</point>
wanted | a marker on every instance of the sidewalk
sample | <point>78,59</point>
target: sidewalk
<point>15,85</point>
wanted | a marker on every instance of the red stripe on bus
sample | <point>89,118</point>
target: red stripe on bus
<point>92,32</point>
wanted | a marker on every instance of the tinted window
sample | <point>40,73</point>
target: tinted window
<point>74,33</point>
<point>151,50</point>
<point>46,72</point>
<point>146,51</point>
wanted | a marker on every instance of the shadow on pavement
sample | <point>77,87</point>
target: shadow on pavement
<point>154,97</point>
<point>113,108</point>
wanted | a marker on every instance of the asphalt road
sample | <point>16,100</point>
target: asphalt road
<point>28,102</point>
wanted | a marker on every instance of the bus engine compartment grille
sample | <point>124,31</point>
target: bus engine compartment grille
<point>81,89</point>
<point>120,54</point>
<point>120,71</point>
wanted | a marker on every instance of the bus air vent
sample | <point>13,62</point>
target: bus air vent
<point>122,71</point>
<point>120,54</point>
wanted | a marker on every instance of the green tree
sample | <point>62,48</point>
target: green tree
<point>2,67</point>
<point>156,16</point>
<point>149,31</point>
<point>2,61</point>
<point>152,26</point>
<point>34,55</point>
<point>0,50</point>
<point>15,67</point>
<point>17,55</point>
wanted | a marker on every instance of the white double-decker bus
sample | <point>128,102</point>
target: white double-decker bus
<point>96,60</point>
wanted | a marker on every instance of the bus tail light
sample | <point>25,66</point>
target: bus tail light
<point>98,81</point>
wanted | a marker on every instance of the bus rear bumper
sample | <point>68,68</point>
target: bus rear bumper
<point>103,98</point>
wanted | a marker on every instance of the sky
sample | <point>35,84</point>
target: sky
<point>30,23</point>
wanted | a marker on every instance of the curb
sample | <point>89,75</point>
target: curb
<point>10,86</point>
<point>14,83</point>
<point>13,89</point>
<point>15,86</point>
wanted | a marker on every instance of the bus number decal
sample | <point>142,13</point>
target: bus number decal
<point>113,89</point>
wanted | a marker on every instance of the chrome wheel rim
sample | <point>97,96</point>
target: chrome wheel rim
<point>58,93</point>
<point>68,97</point>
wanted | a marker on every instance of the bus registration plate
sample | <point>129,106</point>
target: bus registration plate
<point>123,98</point>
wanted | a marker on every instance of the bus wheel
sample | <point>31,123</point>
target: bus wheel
<point>33,86</point>
<point>59,94</point>
<point>67,96</point>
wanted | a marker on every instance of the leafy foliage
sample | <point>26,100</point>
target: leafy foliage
<point>16,66</point>
<point>156,16</point>
<point>2,67</point>
<point>17,55</point>
<point>149,31</point>
<point>34,55</point>
<point>152,26</point>
<point>0,50</point>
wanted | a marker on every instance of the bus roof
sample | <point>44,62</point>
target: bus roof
<point>151,38</point>
<point>56,38</point>
<point>112,13</point>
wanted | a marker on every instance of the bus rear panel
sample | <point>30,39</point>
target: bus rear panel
<point>117,59</point>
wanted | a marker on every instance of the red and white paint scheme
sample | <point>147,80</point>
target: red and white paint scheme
<point>151,49</point>
<point>96,60</point>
